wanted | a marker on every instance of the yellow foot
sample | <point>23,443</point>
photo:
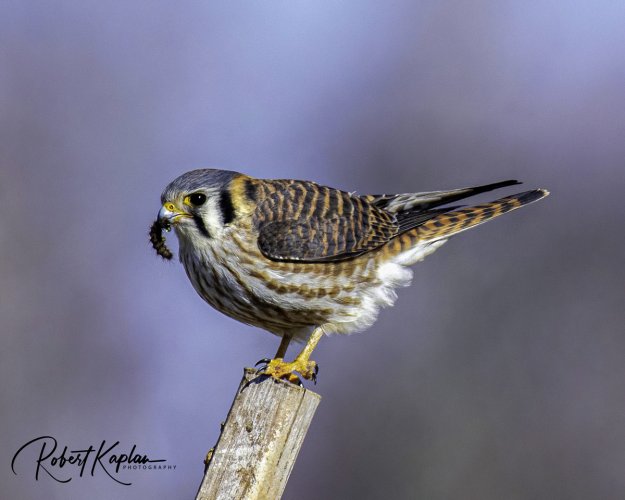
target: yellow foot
<point>280,369</point>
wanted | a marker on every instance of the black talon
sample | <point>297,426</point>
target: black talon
<point>314,375</point>
<point>264,362</point>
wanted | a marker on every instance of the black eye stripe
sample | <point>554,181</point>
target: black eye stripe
<point>197,199</point>
<point>226,207</point>
<point>201,226</point>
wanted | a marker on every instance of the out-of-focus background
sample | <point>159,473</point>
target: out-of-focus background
<point>499,374</point>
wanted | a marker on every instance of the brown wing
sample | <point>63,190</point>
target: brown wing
<point>302,221</point>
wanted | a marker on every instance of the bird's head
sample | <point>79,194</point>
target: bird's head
<point>198,204</point>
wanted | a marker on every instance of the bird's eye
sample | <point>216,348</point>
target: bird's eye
<point>197,199</point>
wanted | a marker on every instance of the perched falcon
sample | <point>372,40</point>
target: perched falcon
<point>302,260</point>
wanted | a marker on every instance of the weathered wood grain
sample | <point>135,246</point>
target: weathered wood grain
<point>260,440</point>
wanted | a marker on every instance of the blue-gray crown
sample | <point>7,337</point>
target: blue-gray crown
<point>203,178</point>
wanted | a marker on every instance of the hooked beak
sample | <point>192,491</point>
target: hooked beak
<point>170,214</point>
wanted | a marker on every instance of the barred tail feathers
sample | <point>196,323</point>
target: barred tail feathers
<point>450,223</point>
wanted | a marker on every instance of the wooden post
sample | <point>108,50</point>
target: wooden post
<point>259,441</point>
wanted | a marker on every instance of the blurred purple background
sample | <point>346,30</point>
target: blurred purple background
<point>499,374</point>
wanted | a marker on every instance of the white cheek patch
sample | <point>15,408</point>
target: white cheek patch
<point>211,216</point>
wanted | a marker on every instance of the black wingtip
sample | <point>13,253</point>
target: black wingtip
<point>472,191</point>
<point>496,185</point>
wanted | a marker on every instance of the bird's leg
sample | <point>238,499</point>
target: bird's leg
<point>278,368</point>
<point>284,345</point>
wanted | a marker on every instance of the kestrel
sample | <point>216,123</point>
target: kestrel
<point>302,260</point>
